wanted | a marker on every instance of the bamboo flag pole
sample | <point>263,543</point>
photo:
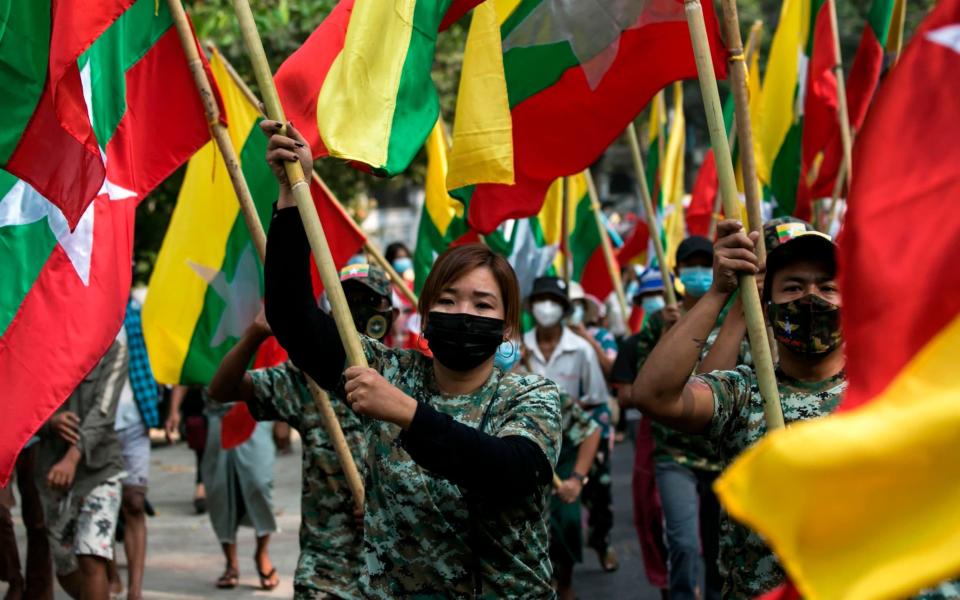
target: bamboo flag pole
<point>368,246</point>
<point>756,328</point>
<point>318,243</point>
<point>846,137</point>
<point>606,245</point>
<point>753,42</point>
<point>218,131</point>
<point>565,227</point>
<point>653,229</point>
<point>741,103</point>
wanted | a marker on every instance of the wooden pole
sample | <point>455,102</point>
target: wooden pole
<point>565,227</point>
<point>654,230</point>
<point>612,267</point>
<point>301,191</point>
<point>753,313</point>
<point>368,246</point>
<point>218,131</point>
<point>744,129</point>
<point>846,137</point>
<point>321,251</point>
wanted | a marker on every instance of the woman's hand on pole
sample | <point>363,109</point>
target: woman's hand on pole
<point>368,393</point>
<point>282,149</point>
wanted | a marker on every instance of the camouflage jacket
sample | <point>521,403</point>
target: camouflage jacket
<point>748,567</point>
<point>669,445</point>
<point>424,536</point>
<point>330,540</point>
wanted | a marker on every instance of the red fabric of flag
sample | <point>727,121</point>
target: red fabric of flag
<point>564,128</point>
<point>60,126</point>
<point>703,197</point>
<point>902,214</point>
<point>65,324</point>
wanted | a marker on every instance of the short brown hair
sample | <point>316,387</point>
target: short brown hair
<point>460,260</point>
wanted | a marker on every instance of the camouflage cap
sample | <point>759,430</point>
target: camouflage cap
<point>788,239</point>
<point>369,275</point>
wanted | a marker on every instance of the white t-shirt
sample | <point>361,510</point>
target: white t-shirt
<point>127,412</point>
<point>573,366</point>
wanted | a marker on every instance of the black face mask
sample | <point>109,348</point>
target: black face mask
<point>372,322</point>
<point>460,341</point>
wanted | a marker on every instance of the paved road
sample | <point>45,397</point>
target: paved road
<point>184,557</point>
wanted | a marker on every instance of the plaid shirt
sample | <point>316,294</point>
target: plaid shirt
<point>145,390</point>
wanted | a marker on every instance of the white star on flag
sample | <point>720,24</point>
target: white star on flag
<point>241,295</point>
<point>948,37</point>
<point>24,205</point>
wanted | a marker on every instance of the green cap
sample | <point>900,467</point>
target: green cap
<point>371,276</point>
<point>788,239</point>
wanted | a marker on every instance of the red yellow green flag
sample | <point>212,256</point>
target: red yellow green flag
<point>863,504</point>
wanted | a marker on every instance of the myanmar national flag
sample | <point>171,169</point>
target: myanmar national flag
<point>530,245</point>
<point>863,504</point>
<point>441,221</point>
<point>207,284</point>
<point>48,139</point>
<point>779,134</point>
<point>64,293</point>
<point>576,74</point>
<point>861,85</point>
<point>585,244</point>
<point>360,85</point>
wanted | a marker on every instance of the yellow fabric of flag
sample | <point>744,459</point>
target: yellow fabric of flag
<point>778,106</point>
<point>674,223</point>
<point>837,480</point>
<point>482,150</point>
<point>755,92</point>
<point>440,206</point>
<point>202,221</point>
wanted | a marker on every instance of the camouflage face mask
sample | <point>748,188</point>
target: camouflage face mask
<point>808,325</point>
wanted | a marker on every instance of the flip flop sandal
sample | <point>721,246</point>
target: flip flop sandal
<point>609,561</point>
<point>229,580</point>
<point>267,581</point>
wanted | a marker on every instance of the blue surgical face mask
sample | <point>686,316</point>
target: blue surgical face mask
<point>507,355</point>
<point>403,264</point>
<point>576,316</point>
<point>696,280</point>
<point>652,304</point>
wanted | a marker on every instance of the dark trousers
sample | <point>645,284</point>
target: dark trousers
<point>39,576</point>
<point>597,498</point>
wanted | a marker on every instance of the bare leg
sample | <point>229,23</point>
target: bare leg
<point>113,576</point>
<point>563,571</point>
<point>72,583</point>
<point>268,575</point>
<point>93,570</point>
<point>231,574</point>
<point>134,538</point>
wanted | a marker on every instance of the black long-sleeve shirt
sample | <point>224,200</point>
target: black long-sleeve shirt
<point>500,468</point>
